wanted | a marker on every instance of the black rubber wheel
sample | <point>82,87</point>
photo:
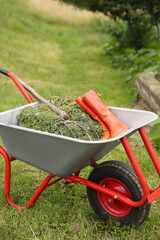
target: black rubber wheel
<point>121,178</point>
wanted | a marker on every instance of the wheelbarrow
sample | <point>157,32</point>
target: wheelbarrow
<point>115,189</point>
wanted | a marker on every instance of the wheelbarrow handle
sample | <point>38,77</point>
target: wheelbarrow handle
<point>23,87</point>
<point>4,71</point>
<point>17,82</point>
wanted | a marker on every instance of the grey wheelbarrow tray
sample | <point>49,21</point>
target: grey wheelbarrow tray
<point>61,155</point>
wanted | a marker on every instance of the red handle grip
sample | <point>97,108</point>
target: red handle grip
<point>17,82</point>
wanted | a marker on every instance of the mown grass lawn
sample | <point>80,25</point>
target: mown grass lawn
<point>58,58</point>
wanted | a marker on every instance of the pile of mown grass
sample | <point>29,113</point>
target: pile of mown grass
<point>43,119</point>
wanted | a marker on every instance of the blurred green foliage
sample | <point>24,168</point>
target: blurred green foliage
<point>154,134</point>
<point>129,10</point>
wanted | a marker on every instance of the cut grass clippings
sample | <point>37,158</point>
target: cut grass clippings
<point>80,124</point>
<point>59,59</point>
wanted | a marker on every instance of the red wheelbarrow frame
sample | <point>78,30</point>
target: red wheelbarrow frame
<point>149,195</point>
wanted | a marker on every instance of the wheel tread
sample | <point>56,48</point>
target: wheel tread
<point>128,173</point>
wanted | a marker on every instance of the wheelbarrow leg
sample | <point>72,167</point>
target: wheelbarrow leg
<point>150,149</point>
<point>35,196</point>
<point>136,166</point>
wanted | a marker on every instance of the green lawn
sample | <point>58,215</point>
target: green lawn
<point>57,58</point>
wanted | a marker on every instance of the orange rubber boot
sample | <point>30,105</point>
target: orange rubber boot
<point>107,134</point>
<point>93,101</point>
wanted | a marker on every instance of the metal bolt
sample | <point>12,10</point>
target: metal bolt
<point>115,197</point>
<point>110,200</point>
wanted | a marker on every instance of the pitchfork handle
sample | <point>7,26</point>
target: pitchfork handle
<point>22,86</point>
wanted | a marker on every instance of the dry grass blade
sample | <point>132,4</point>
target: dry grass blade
<point>64,13</point>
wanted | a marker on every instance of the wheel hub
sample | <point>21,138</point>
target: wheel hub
<point>111,205</point>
